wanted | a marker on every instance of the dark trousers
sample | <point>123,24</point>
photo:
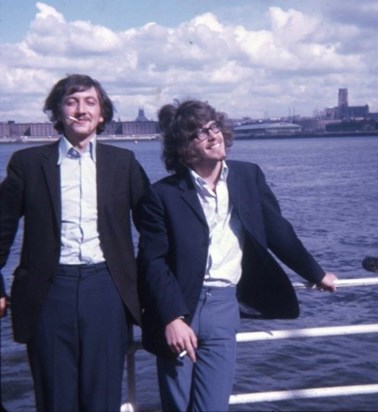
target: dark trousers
<point>207,384</point>
<point>78,351</point>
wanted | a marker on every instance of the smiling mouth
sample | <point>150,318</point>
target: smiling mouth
<point>215,145</point>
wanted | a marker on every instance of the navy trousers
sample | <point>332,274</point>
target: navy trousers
<point>78,351</point>
<point>207,384</point>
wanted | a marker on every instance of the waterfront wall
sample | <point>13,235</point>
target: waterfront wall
<point>12,130</point>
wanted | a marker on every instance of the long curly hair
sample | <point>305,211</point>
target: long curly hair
<point>71,84</point>
<point>178,123</point>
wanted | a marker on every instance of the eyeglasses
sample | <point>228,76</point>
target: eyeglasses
<point>202,134</point>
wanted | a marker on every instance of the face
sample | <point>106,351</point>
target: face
<point>81,114</point>
<point>207,149</point>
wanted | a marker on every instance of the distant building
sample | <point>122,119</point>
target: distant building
<point>43,130</point>
<point>309,124</point>
<point>345,112</point>
<point>113,128</point>
<point>353,126</point>
<point>349,119</point>
<point>343,98</point>
<point>140,126</point>
<point>266,129</point>
<point>13,129</point>
<point>4,130</point>
<point>141,117</point>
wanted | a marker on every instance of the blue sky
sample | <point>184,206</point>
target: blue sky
<point>16,15</point>
<point>252,58</point>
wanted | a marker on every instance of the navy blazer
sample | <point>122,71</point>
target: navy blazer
<point>32,190</point>
<point>173,247</point>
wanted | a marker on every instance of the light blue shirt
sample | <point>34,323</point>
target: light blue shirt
<point>80,243</point>
<point>223,266</point>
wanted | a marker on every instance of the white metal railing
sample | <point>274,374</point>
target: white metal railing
<point>273,396</point>
<point>340,283</point>
<point>303,393</point>
<point>306,332</point>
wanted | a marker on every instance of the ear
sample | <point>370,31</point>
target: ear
<point>101,119</point>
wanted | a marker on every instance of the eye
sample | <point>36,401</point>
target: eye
<point>215,127</point>
<point>91,102</point>
<point>70,102</point>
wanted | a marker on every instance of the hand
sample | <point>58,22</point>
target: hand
<point>180,337</point>
<point>328,282</point>
<point>3,306</point>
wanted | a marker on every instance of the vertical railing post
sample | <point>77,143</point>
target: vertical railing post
<point>131,386</point>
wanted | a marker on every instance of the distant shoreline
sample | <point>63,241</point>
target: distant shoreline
<point>136,139</point>
<point>36,139</point>
<point>303,135</point>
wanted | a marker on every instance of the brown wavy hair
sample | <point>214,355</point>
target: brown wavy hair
<point>178,124</point>
<point>71,84</point>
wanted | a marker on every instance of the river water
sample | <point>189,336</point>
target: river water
<point>327,188</point>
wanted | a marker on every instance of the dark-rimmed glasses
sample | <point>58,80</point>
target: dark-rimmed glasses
<point>203,133</point>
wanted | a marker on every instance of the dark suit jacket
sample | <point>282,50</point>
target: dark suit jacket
<point>32,190</point>
<point>174,244</point>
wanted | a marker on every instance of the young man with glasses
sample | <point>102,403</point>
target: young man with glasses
<point>205,235</point>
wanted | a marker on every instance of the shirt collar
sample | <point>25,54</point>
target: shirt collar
<point>201,183</point>
<point>65,146</point>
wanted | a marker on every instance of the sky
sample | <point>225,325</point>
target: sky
<point>247,58</point>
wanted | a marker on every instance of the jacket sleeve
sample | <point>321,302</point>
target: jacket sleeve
<point>11,211</point>
<point>160,291</point>
<point>139,183</point>
<point>2,286</point>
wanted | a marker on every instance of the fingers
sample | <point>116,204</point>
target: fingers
<point>186,346</point>
<point>3,307</point>
<point>181,339</point>
<point>191,346</point>
<point>328,282</point>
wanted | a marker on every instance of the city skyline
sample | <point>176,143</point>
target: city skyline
<point>247,58</point>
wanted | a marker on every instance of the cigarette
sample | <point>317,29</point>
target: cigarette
<point>72,118</point>
<point>182,354</point>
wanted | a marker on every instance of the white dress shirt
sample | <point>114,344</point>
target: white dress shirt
<point>223,266</point>
<point>80,243</point>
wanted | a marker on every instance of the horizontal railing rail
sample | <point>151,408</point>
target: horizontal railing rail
<point>340,283</point>
<point>307,332</point>
<point>274,396</point>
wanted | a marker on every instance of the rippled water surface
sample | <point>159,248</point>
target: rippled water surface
<point>328,189</point>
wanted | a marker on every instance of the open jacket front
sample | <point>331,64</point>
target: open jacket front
<point>32,190</point>
<point>174,244</point>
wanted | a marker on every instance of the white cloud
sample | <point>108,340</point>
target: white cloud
<point>296,60</point>
<point>46,12</point>
<point>50,32</point>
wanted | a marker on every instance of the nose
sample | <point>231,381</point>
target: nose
<point>81,106</point>
<point>211,135</point>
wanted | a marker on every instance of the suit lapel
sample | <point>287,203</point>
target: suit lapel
<point>189,195</point>
<point>233,187</point>
<point>52,175</point>
<point>105,170</point>
<point>242,200</point>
